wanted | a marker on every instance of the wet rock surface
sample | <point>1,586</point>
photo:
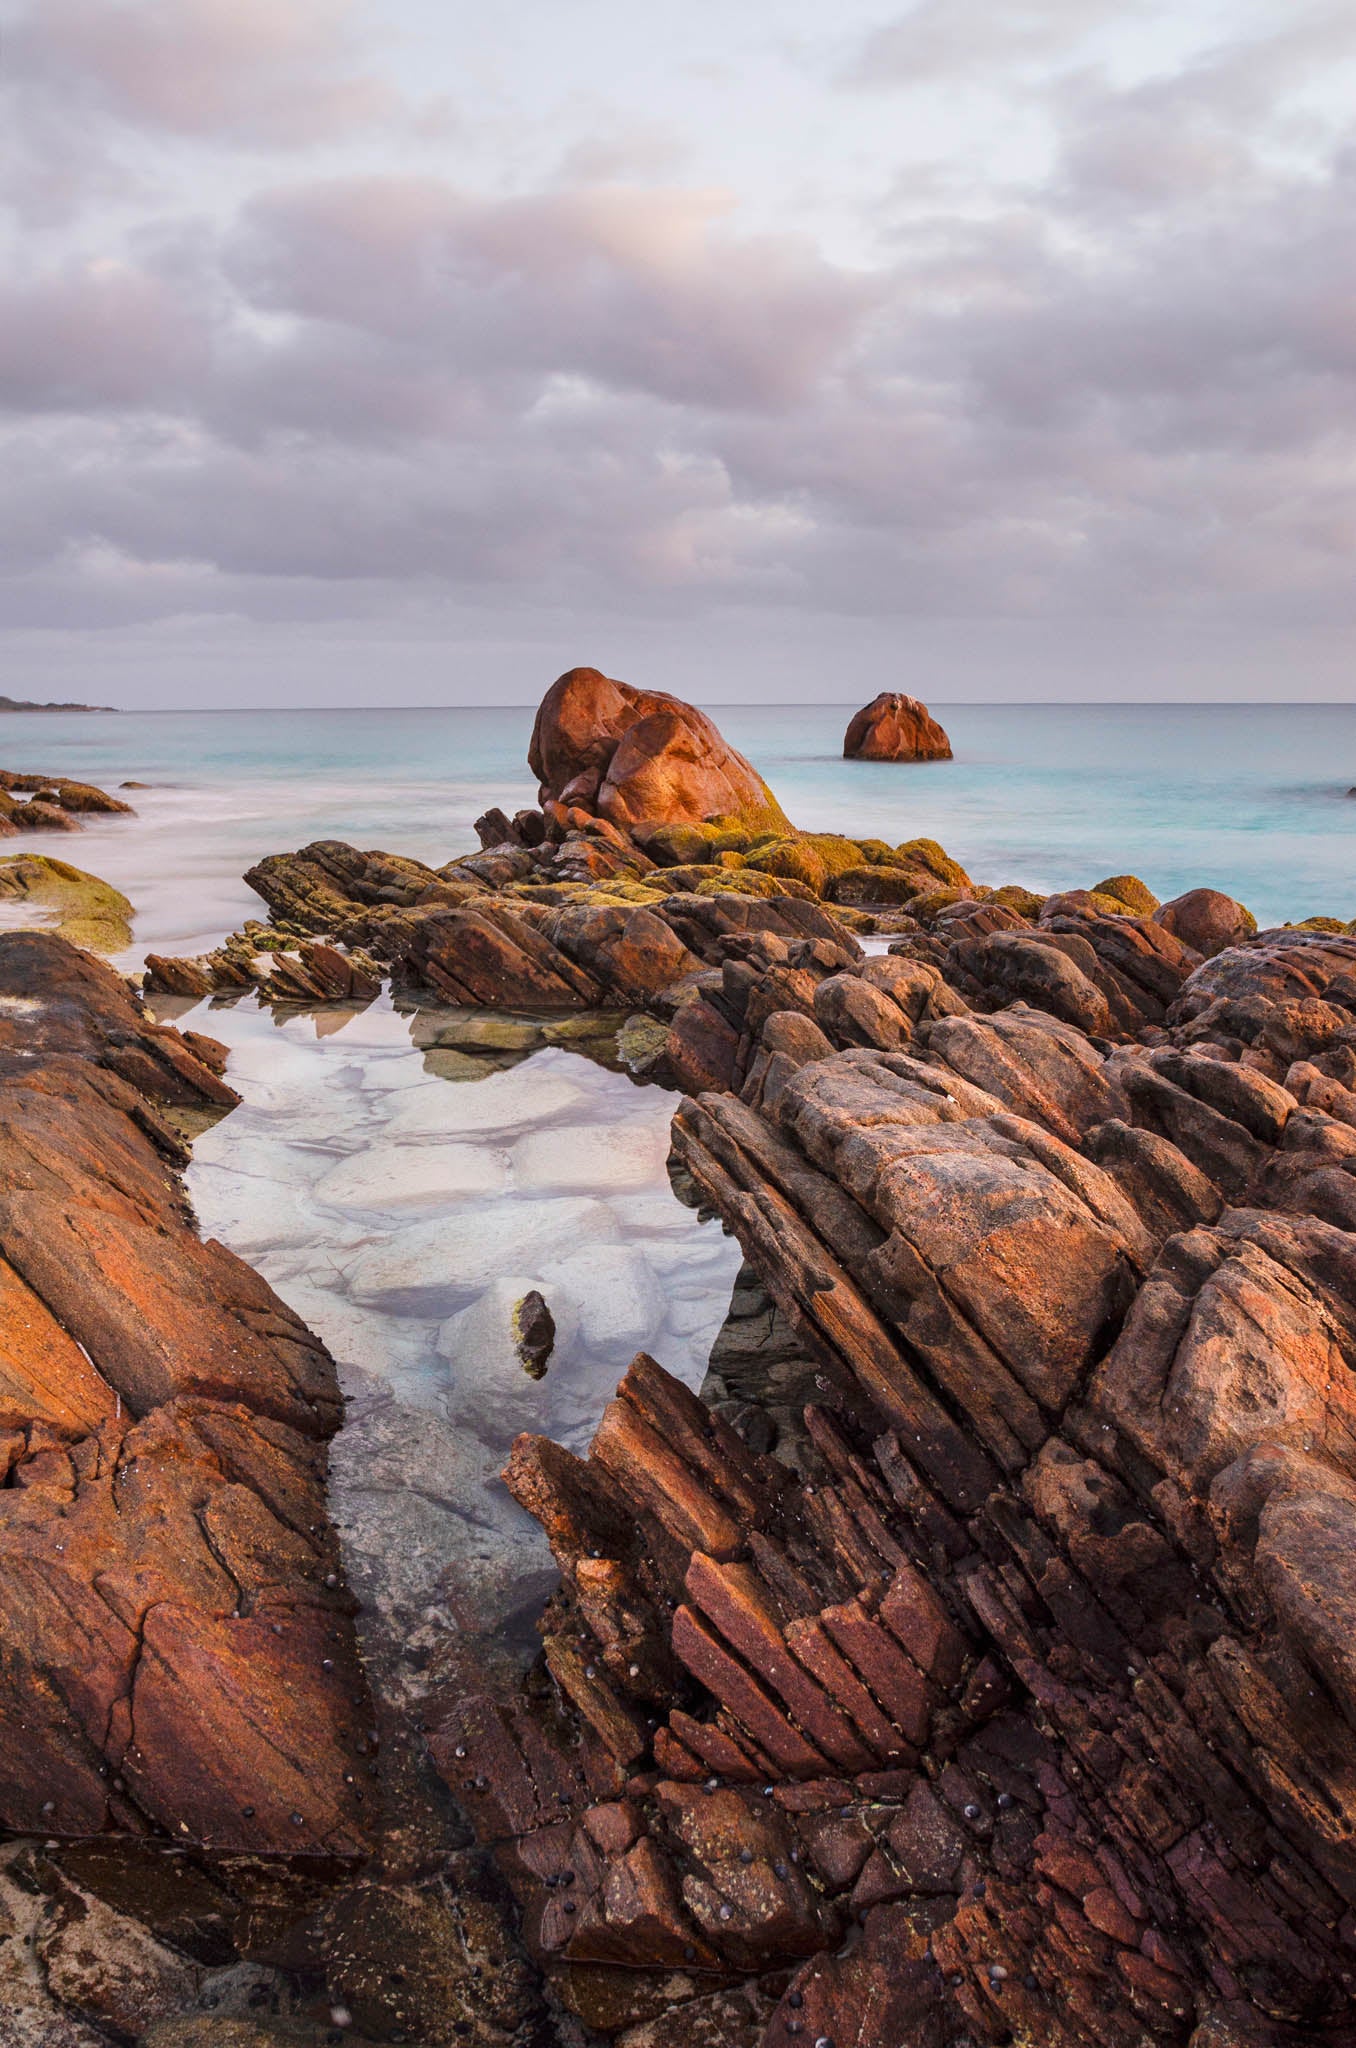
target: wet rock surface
<point>970,1661</point>
<point>165,1421</point>
<point>42,803</point>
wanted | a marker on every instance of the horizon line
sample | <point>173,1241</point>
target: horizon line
<point>733,704</point>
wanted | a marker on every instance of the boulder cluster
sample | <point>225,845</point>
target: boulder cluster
<point>46,803</point>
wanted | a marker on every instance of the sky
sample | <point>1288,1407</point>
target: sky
<point>409,354</point>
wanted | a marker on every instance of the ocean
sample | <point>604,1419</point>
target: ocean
<point>1251,799</point>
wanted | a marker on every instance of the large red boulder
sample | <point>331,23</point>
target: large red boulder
<point>640,757</point>
<point>1207,920</point>
<point>893,727</point>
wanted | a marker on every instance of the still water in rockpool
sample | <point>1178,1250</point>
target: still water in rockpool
<point>402,1214</point>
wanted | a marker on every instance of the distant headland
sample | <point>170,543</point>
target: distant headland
<point>24,704</point>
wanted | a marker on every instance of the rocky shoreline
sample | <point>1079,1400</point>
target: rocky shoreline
<point>972,1664</point>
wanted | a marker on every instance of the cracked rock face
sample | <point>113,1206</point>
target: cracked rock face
<point>640,757</point>
<point>176,1645</point>
<point>1015,1701</point>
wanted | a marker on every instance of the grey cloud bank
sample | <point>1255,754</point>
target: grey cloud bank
<point>295,391</point>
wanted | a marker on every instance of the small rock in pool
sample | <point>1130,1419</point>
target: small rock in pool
<point>534,1334</point>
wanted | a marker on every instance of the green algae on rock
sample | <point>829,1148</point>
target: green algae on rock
<point>1129,891</point>
<point>82,908</point>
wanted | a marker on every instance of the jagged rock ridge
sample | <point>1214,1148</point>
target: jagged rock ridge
<point>1041,1676</point>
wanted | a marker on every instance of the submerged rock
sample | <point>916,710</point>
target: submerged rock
<point>421,1268</point>
<point>893,727</point>
<point>394,1176</point>
<point>490,1345</point>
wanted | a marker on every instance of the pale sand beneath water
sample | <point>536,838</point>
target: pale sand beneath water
<point>402,1216</point>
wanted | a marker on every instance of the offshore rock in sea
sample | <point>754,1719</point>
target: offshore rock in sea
<point>640,757</point>
<point>52,804</point>
<point>893,727</point>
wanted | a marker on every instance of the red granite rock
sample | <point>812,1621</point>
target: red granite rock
<point>639,757</point>
<point>1207,920</point>
<point>893,727</point>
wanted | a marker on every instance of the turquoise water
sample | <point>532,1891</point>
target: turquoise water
<point>1251,798</point>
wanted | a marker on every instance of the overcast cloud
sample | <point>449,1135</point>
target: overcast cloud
<point>985,349</point>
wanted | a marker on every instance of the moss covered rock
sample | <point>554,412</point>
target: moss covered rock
<point>926,853</point>
<point>878,853</point>
<point>794,859</point>
<point>1128,890</point>
<point>1015,896</point>
<point>813,858</point>
<point>679,844</point>
<point>926,907</point>
<point>749,882</point>
<point>684,877</point>
<point>82,908</point>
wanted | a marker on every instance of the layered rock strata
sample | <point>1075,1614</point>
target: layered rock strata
<point>177,1656</point>
<point>341,918</point>
<point>1035,1680</point>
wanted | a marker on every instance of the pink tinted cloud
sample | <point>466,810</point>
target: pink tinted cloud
<point>637,289</point>
<point>1130,387</point>
<point>279,72</point>
<point>99,337</point>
